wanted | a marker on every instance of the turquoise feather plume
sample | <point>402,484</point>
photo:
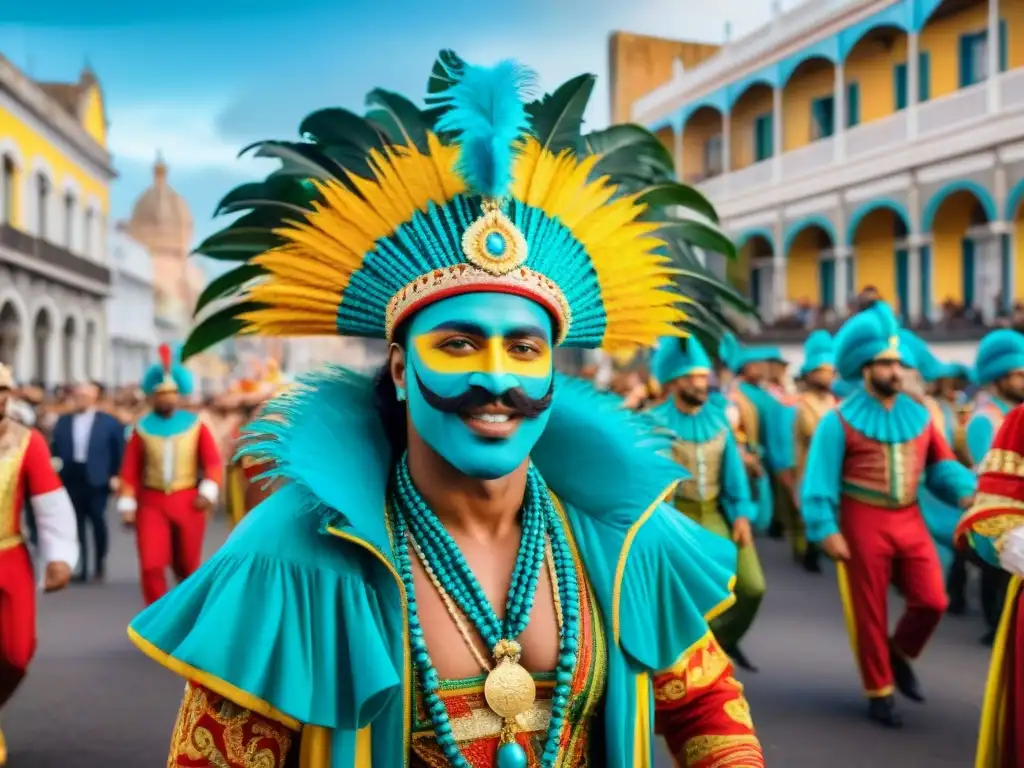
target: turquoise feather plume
<point>486,110</point>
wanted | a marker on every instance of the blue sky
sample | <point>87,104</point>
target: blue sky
<point>198,80</point>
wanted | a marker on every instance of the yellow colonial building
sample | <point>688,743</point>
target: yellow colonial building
<point>855,143</point>
<point>55,175</point>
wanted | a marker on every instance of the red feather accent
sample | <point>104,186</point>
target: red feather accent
<point>165,357</point>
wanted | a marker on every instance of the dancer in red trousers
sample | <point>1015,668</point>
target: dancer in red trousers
<point>170,479</point>
<point>26,471</point>
<point>867,461</point>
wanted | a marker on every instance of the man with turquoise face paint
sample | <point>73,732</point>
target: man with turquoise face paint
<point>470,522</point>
<point>479,378</point>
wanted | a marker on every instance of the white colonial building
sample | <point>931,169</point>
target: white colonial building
<point>131,311</point>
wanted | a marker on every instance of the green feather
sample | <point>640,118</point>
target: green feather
<point>218,327</point>
<point>227,284</point>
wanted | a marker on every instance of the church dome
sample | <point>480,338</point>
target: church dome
<point>160,208</point>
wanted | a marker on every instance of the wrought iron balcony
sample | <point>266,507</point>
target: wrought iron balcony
<point>53,255</point>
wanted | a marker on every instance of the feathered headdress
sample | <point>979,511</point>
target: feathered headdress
<point>475,204</point>
<point>168,375</point>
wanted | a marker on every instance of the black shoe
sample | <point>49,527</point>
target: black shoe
<point>989,638</point>
<point>101,575</point>
<point>882,710</point>
<point>775,530</point>
<point>80,578</point>
<point>740,658</point>
<point>903,674</point>
<point>812,559</point>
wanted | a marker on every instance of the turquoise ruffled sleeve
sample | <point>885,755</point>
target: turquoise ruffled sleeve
<point>979,435</point>
<point>823,478</point>
<point>677,575</point>
<point>951,481</point>
<point>735,499</point>
<point>296,620</point>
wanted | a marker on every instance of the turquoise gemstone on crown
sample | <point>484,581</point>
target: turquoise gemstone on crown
<point>511,756</point>
<point>495,244</point>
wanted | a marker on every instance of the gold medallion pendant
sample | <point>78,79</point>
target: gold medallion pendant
<point>509,689</point>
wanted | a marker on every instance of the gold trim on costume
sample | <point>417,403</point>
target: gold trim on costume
<point>13,445</point>
<point>1003,462</point>
<point>215,684</point>
<point>702,747</point>
<point>406,650</point>
<point>989,753</point>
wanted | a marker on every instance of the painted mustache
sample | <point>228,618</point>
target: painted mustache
<point>478,397</point>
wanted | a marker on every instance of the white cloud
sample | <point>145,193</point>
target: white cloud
<point>185,135</point>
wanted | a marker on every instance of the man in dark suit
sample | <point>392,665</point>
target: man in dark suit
<point>89,445</point>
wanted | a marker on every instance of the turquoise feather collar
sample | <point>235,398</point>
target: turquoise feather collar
<point>700,427</point>
<point>906,420</point>
<point>326,439</point>
<point>160,426</point>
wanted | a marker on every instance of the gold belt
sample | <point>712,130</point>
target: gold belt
<point>10,542</point>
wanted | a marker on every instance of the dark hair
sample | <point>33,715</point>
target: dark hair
<point>391,412</point>
<point>101,390</point>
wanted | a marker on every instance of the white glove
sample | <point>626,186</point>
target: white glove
<point>1011,556</point>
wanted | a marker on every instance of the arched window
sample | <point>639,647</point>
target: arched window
<point>44,335</point>
<point>70,342</point>
<point>42,204</point>
<point>90,218</point>
<point>69,221</point>
<point>7,172</point>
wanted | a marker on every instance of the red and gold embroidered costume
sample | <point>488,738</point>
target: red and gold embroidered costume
<point>26,471</point>
<point>997,516</point>
<point>171,473</point>
<point>882,523</point>
<point>699,708</point>
<point>165,471</point>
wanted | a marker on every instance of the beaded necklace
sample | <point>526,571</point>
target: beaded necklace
<point>508,689</point>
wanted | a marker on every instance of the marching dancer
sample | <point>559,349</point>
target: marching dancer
<point>26,472</point>
<point>717,495</point>
<point>170,480</point>
<point>860,502</point>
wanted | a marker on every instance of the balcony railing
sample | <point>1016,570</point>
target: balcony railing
<point>957,110</point>
<point>54,255</point>
<point>953,109</point>
<point>1011,89</point>
<point>878,135</point>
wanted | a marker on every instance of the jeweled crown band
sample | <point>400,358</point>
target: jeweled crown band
<point>465,278</point>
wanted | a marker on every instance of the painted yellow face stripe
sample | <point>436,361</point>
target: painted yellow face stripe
<point>493,357</point>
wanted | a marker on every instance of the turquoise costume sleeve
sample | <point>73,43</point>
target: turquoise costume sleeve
<point>765,503</point>
<point>985,548</point>
<point>979,436</point>
<point>735,492</point>
<point>287,615</point>
<point>673,565</point>
<point>782,436</point>
<point>951,481</point>
<point>823,478</point>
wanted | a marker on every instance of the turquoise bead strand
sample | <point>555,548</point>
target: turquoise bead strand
<point>548,527</point>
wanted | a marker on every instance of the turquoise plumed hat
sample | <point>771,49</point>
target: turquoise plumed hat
<point>675,357</point>
<point>873,334</point>
<point>766,354</point>
<point>914,353</point>
<point>168,375</point>
<point>842,388</point>
<point>999,353</point>
<point>733,355</point>
<point>819,352</point>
